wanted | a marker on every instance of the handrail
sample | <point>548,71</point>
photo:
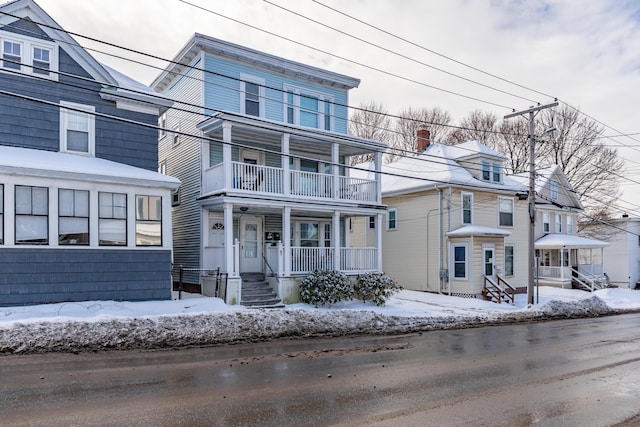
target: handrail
<point>592,282</point>
<point>496,292</point>
<point>271,269</point>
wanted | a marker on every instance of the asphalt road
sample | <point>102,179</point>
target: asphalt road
<point>583,372</point>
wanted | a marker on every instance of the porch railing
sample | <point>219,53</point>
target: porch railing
<point>305,260</point>
<point>555,273</point>
<point>267,179</point>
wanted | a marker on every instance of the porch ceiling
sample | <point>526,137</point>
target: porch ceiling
<point>568,241</point>
<point>301,140</point>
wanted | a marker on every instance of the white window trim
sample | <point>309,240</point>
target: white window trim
<point>26,53</point>
<point>395,211</point>
<point>513,212</point>
<point>558,222</point>
<point>322,236</point>
<point>547,222</point>
<point>162,124</point>
<point>453,261</point>
<point>462,208</point>
<point>553,190</point>
<point>90,109</point>
<point>176,137</point>
<point>569,220</point>
<point>247,78</point>
<point>322,99</point>
<point>513,263</point>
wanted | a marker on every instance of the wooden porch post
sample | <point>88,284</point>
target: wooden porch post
<point>286,174</point>
<point>228,239</point>
<point>226,156</point>
<point>379,224</point>
<point>335,169</point>
<point>286,239</point>
<point>378,177</point>
<point>335,240</point>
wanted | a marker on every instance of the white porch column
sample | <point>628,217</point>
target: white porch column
<point>335,240</point>
<point>379,223</point>
<point>228,238</point>
<point>378,176</point>
<point>562,264</point>
<point>286,174</point>
<point>335,169</point>
<point>226,156</point>
<point>286,239</point>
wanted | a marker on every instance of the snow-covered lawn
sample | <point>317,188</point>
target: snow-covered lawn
<point>195,320</point>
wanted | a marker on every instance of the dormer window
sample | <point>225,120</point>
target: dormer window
<point>28,55</point>
<point>491,171</point>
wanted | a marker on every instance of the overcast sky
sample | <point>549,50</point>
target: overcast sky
<point>583,52</point>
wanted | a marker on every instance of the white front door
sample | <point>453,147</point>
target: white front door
<point>250,244</point>
<point>214,247</point>
<point>488,261</point>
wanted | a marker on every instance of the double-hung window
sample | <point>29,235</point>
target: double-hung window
<point>460,261</point>
<point>112,221</point>
<point>467,208</point>
<point>32,215</point>
<point>41,60</point>
<point>505,207</point>
<point>392,219</point>
<point>148,221</point>
<point>73,217</point>
<point>554,190</point>
<point>569,224</point>
<point>546,222</point>
<point>497,172</point>
<point>1,214</point>
<point>308,108</point>
<point>12,55</point>
<point>252,95</point>
<point>508,260</point>
<point>77,128</point>
<point>486,170</point>
<point>558,223</point>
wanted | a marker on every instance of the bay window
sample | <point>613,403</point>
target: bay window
<point>308,108</point>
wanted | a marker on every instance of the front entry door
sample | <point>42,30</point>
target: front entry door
<point>250,244</point>
<point>488,260</point>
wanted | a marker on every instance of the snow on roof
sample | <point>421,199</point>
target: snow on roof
<point>435,166</point>
<point>52,164</point>
<point>477,230</point>
<point>472,149</point>
<point>127,83</point>
<point>568,241</point>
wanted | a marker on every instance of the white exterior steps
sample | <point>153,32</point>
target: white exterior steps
<point>257,293</point>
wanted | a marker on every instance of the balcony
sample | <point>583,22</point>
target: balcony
<point>258,179</point>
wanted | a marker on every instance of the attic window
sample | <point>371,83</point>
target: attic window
<point>28,55</point>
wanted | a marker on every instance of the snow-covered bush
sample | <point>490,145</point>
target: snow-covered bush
<point>325,287</point>
<point>377,287</point>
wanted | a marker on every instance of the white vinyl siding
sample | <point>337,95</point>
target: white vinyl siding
<point>505,211</point>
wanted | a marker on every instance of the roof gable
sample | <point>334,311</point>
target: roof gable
<point>19,11</point>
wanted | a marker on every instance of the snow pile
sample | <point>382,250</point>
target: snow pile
<point>104,325</point>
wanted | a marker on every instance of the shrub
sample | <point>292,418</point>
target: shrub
<point>325,287</point>
<point>377,287</point>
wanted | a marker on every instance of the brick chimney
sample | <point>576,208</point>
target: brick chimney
<point>424,138</point>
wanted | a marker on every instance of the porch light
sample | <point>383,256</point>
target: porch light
<point>244,208</point>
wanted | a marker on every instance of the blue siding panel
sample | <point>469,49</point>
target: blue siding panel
<point>39,276</point>
<point>223,93</point>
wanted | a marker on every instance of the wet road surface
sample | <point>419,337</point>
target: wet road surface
<point>580,372</point>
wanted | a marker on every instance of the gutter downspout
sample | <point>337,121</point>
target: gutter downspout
<point>440,241</point>
<point>449,229</point>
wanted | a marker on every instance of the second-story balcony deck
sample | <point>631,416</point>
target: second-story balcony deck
<point>250,179</point>
<point>253,156</point>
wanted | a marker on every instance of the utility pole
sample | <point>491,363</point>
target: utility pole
<point>532,189</point>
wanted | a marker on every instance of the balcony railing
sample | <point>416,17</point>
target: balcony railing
<point>555,273</point>
<point>265,179</point>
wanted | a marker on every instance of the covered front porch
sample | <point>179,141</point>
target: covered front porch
<point>283,241</point>
<point>569,261</point>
